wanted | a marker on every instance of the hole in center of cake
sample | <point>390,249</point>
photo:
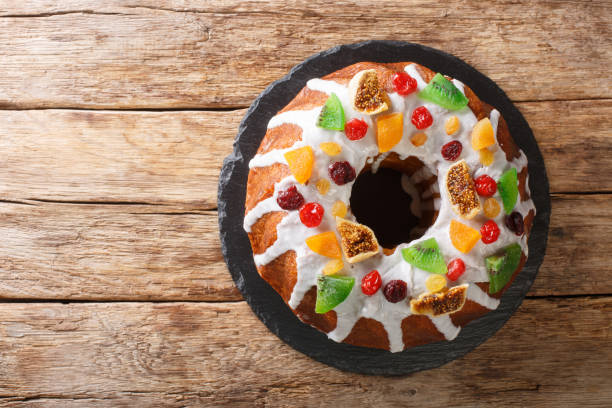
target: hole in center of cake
<point>394,207</point>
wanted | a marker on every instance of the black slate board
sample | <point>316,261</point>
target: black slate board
<point>269,306</point>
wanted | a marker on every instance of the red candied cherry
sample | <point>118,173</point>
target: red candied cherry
<point>452,150</point>
<point>371,283</point>
<point>395,291</point>
<point>404,84</point>
<point>489,232</point>
<point>456,267</point>
<point>311,214</point>
<point>290,199</point>
<point>341,172</point>
<point>421,118</point>
<point>355,129</point>
<point>515,223</point>
<point>485,186</point>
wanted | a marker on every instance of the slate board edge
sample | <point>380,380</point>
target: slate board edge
<point>268,305</point>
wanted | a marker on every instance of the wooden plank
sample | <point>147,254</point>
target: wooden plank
<point>139,252</point>
<point>175,157</point>
<point>552,352</point>
<point>148,157</point>
<point>111,252</point>
<point>110,55</point>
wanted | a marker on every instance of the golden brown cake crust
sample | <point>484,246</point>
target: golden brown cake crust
<point>281,273</point>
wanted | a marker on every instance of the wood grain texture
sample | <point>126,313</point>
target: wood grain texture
<point>553,352</point>
<point>147,252</point>
<point>175,157</point>
<point>120,55</point>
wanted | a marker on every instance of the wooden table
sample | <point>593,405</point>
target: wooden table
<point>115,117</point>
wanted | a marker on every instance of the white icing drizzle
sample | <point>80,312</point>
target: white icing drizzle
<point>292,233</point>
<point>445,326</point>
<point>474,293</point>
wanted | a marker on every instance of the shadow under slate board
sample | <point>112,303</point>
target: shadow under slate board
<point>269,306</point>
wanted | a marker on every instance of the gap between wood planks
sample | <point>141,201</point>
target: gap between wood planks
<point>230,108</point>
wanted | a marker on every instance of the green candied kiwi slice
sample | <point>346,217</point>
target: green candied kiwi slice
<point>443,92</point>
<point>501,267</point>
<point>426,255</point>
<point>331,291</point>
<point>332,114</point>
<point>508,189</point>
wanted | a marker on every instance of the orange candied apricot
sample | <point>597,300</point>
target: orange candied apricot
<point>325,244</point>
<point>482,134</point>
<point>463,237</point>
<point>300,163</point>
<point>390,129</point>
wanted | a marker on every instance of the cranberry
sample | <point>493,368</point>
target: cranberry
<point>489,232</point>
<point>371,283</point>
<point>421,118</point>
<point>355,129</point>
<point>290,199</point>
<point>311,214</point>
<point>404,84</point>
<point>341,172</point>
<point>515,223</point>
<point>456,267</point>
<point>451,150</point>
<point>485,186</point>
<point>395,291</point>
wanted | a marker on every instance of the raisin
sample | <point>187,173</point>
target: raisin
<point>451,150</point>
<point>395,291</point>
<point>341,172</point>
<point>515,223</point>
<point>290,199</point>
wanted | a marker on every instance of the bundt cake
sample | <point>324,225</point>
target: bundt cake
<point>465,187</point>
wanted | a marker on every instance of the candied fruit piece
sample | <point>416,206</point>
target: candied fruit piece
<point>300,163</point>
<point>357,240</point>
<point>339,209</point>
<point>485,185</point>
<point>462,191</point>
<point>395,291</point>
<point>371,283</point>
<point>366,93</point>
<point>330,148</point>
<point>331,291</point>
<point>452,125</point>
<point>341,172</point>
<point>325,244</point>
<point>508,189</point>
<point>323,186</point>
<point>436,304</point>
<point>501,267</point>
<point>452,150</point>
<point>290,199</point>
<point>421,118</point>
<point>332,114</point>
<point>456,267</point>
<point>443,92</point>
<point>435,283</point>
<point>404,84</point>
<point>482,134</point>
<point>463,237</point>
<point>418,139</point>
<point>425,255</point>
<point>489,231</point>
<point>491,208</point>
<point>333,266</point>
<point>390,130</point>
<point>515,223</point>
<point>486,157</point>
<point>355,129</point>
<point>311,214</point>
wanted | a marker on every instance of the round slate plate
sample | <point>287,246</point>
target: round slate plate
<point>269,306</point>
